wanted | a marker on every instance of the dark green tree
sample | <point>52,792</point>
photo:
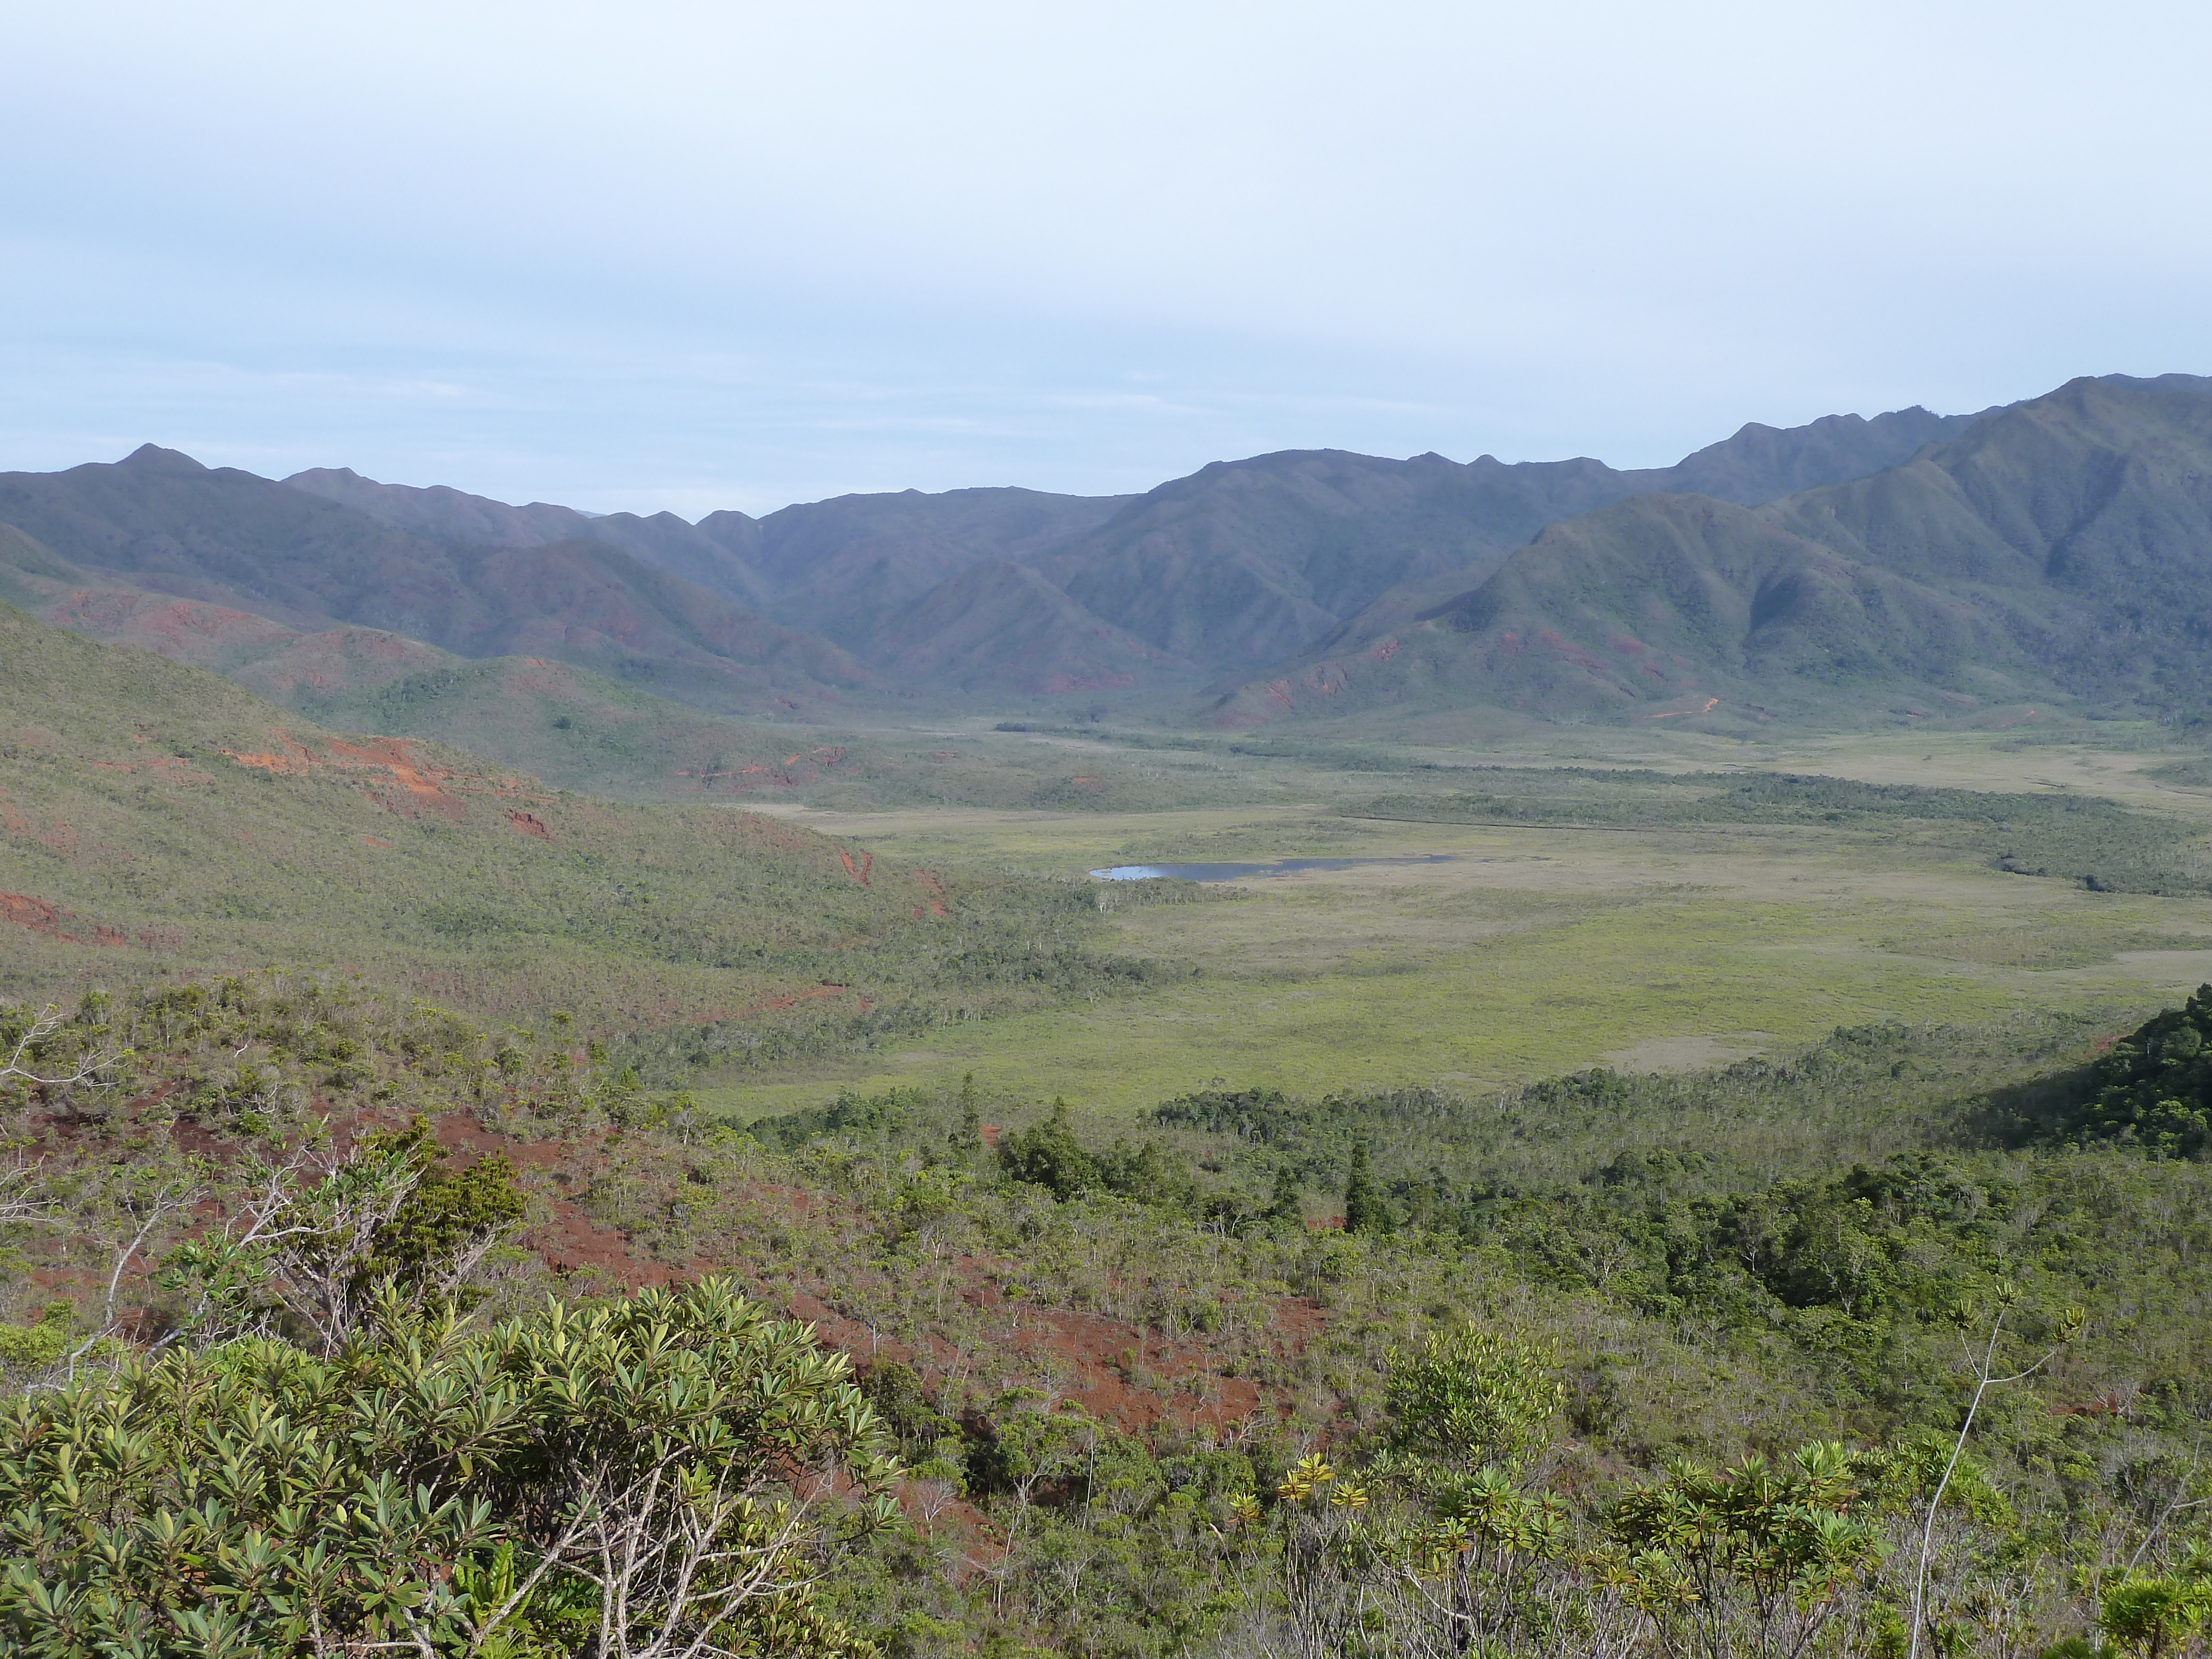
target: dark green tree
<point>1050,1155</point>
<point>1287,1206</point>
<point>969,1137</point>
<point>1364,1209</point>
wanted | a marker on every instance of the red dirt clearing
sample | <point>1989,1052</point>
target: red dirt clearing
<point>775,1003</point>
<point>936,891</point>
<point>1121,1370</point>
<point>40,917</point>
<point>426,786</point>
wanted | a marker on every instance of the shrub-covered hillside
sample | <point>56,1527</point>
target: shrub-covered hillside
<point>155,816</point>
<point>1615,1364</point>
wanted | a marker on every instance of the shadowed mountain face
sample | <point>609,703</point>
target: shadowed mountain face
<point>2063,545</point>
<point>847,568</point>
<point>1762,463</point>
<point>1305,581</point>
<point>159,522</point>
<point>1254,561</point>
<point>1243,563</point>
<point>1003,625</point>
<point>714,560</point>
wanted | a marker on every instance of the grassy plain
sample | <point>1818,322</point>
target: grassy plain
<point>1538,951</point>
<point>134,841</point>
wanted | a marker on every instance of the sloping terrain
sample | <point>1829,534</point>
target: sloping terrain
<point>155,816</point>
<point>2084,516</point>
<point>440,514</point>
<point>1004,626</point>
<point>854,569</point>
<point>837,566</point>
<point>972,592</point>
<point>265,656</point>
<point>1761,462</point>
<point>158,521</point>
<point>1241,562</point>
<point>842,567</point>
<point>586,732</point>
<point>2060,548</point>
<point>599,608</point>
<point>571,727</point>
<point>1253,561</point>
<point>1274,577</point>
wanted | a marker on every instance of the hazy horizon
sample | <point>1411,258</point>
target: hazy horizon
<point>890,489</point>
<point>686,257</point>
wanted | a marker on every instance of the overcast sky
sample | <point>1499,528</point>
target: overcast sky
<point>699,255</point>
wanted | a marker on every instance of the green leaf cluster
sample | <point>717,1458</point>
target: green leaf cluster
<point>584,1479</point>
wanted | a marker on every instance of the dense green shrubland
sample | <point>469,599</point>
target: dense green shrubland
<point>1754,1296</point>
<point>1147,1407</point>
<point>2152,1092</point>
<point>288,1436</point>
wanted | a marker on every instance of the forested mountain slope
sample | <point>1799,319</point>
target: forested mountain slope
<point>970,594</point>
<point>837,566</point>
<point>1247,561</point>
<point>158,521</point>
<point>2062,547</point>
<point>848,566</point>
<point>1007,627</point>
<point>440,514</point>
<point>1241,563</point>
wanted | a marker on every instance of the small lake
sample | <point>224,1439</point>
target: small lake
<point>1246,872</point>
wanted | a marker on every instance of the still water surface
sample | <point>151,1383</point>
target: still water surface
<point>1244,871</point>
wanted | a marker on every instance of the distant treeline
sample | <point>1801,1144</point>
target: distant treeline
<point>2106,847</point>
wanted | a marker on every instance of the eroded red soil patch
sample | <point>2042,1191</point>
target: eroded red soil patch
<point>790,1001</point>
<point>40,917</point>
<point>424,787</point>
<point>186,629</point>
<point>529,823</point>
<point>935,889</point>
<point>391,754</point>
<point>568,1241</point>
<point>1120,1371</point>
<point>858,872</point>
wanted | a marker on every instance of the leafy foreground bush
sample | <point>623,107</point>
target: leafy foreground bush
<point>674,1474</point>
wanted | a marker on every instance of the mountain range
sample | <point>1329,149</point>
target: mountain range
<point>2062,547</point>
<point>1911,565</point>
